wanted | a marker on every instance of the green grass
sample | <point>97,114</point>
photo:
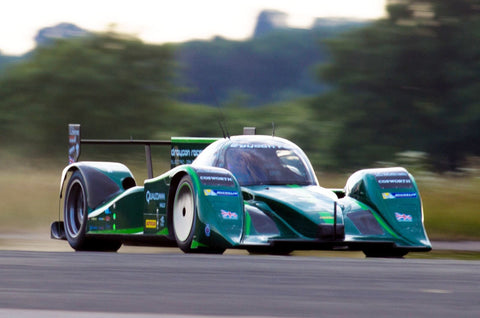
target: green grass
<point>29,198</point>
<point>29,192</point>
<point>451,205</point>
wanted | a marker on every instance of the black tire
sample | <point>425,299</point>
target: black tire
<point>76,216</point>
<point>184,214</point>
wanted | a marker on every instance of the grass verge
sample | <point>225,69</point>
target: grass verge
<point>29,196</point>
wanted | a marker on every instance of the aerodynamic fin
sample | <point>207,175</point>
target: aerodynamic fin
<point>73,143</point>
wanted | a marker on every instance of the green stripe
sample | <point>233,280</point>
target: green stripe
<point>248,223</point>
<point>163,232</point>
<point>121,231</point>
<point>195,180</point>
<point>197,244</point>
<point>193,140</point>
<point>327,217</point>
<point>379,220</point>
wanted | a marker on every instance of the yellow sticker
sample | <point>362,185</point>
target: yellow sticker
<point>151,224</point>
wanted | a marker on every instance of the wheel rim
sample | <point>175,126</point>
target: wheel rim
<point>183,212</point>
<point>75,209</point>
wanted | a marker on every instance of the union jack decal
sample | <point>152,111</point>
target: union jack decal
<point>229,215</point>
<point>402,217</point>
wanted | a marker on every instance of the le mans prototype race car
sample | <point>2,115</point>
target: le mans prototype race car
<point>253,192</point>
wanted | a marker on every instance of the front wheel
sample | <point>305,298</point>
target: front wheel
<point>185,219</point>
<point>184,214</point>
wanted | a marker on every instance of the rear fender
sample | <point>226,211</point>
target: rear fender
<point>104,180</point>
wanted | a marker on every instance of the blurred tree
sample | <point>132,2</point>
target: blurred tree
<point>407,82</point>
<point>112,84</point>
<point>6,60</point>
<point>271,67</point>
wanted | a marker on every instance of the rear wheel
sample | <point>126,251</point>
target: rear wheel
<point>75,212</point>
<point>76,216</point>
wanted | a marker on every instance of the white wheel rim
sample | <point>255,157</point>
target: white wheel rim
<point>183,212</point>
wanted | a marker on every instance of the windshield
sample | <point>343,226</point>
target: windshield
<point>261,164</point>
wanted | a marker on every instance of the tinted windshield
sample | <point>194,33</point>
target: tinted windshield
<point>260,164</point>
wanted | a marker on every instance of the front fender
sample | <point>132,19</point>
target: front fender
<point>103,180</point>
<point>385,203</point>
<point>219,201</point>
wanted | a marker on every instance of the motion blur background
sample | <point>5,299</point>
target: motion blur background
<point>388,83</point>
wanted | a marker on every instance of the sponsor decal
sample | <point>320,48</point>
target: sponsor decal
<point>150,224</point>
<point>154,196</point>
<point>214,193</point>
<point>253,146</point>
<point>325,215</point>
<point>74,143</point>
<point>216,179</point>
<point>207,230</point>
<point>391,195</point>
<point>227,215</point>
<point>402,217</point>
<point>184,151</point>
<point>180,153</point>
<point>389,180</point>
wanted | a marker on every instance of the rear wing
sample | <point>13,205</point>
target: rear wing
<point>183,149</point>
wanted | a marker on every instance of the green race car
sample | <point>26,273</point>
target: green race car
<point>252,192</point>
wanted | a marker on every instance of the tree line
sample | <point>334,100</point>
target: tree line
<point>406,82</point>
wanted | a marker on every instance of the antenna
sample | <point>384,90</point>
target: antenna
<point>273,129</point>
<point>223,130</point>
<point>222,117</point>
<point>226,130</point>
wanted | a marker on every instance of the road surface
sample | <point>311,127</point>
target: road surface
<point>69,284</point>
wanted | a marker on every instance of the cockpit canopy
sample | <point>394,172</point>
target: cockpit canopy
<point>259,160</point>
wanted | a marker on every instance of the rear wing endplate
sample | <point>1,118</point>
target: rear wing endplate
<point>183,149</point>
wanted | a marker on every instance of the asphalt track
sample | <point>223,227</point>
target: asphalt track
<point>69,284</point>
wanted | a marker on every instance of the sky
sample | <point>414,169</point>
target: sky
<point>161,21</point>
